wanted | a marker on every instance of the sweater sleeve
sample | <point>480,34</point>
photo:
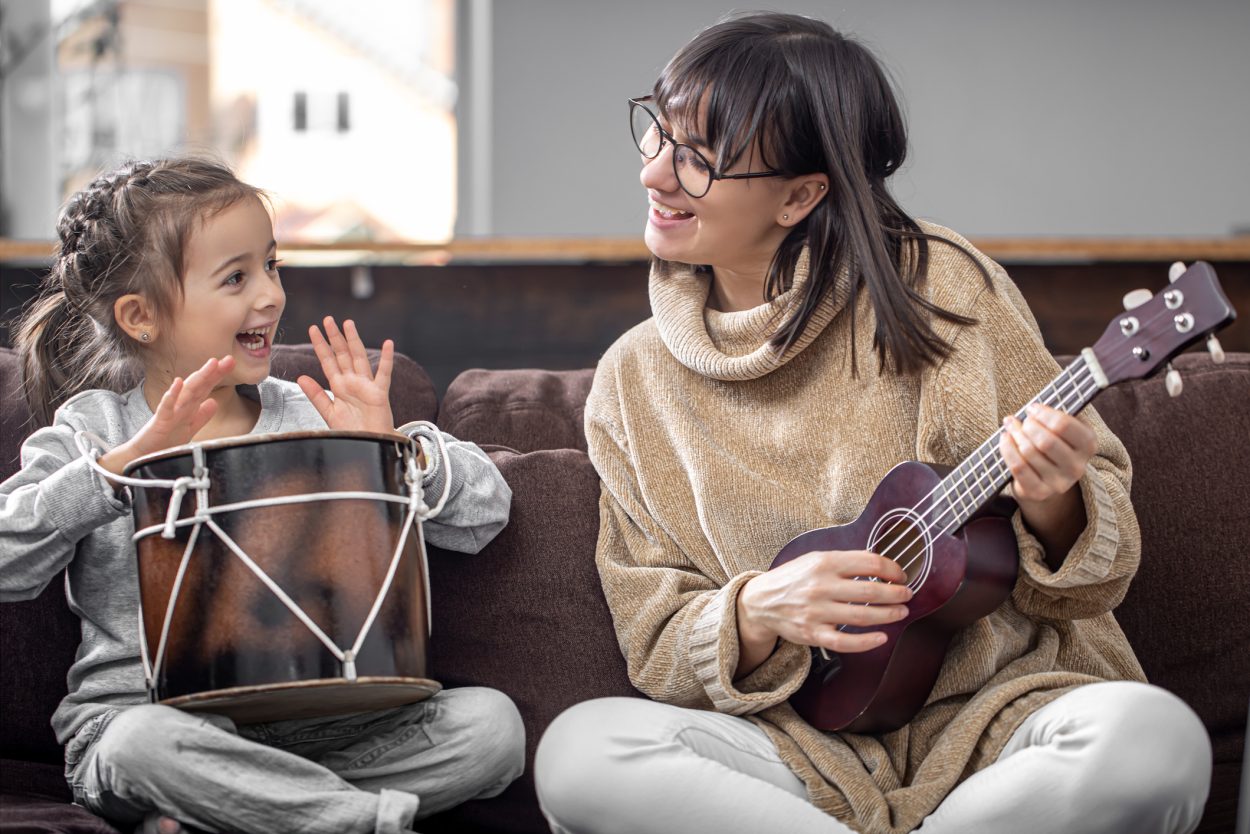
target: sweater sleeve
<point>478,497</point>
<point>675,614</point>
<point>46,508</point>
<point>997,366</point>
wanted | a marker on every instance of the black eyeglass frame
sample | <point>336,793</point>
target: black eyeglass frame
<point>713,174</point>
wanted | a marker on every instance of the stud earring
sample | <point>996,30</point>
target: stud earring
<point>822,187</point>
<point>146,337</point>
<point>785,217</point>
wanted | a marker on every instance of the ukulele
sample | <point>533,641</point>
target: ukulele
<point>950,529</point>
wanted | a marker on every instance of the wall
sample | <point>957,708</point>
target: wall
<point>1068,117</point>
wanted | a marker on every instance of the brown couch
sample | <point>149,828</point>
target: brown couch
<point>527,616</point>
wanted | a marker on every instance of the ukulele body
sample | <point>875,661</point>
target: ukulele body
<point>956,577</point>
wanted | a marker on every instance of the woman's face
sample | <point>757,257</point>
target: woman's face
<point>736,226</point>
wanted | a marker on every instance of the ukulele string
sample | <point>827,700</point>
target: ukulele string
<point>1079,373</point>
<point>1076,374</point>
<point>1071,375</point>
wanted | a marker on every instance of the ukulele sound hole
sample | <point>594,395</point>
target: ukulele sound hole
<point>901,535</point>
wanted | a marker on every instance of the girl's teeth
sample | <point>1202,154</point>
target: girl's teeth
<point>253,339</point>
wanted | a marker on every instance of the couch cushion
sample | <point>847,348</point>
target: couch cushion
<point>14,416</point>
<point>1186,612</point>
<point>527,615</point>
<point>524,410</point>
<point>25,814</point>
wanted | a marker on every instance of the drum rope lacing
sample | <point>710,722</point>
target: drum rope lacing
<point>200,483</point>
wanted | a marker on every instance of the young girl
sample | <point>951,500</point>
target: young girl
<point>807,336</point>
<point>170,268</point>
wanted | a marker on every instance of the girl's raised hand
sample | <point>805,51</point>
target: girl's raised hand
<point>361,399</point>
<point>184,409</point>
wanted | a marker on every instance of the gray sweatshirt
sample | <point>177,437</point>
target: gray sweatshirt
<point>57,512</point>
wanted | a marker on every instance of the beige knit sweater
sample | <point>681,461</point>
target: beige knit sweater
<point>714,453</point>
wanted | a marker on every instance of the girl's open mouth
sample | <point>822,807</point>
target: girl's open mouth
<point>255,341</point>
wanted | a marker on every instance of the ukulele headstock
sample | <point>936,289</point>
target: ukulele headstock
<point>1156,328</point>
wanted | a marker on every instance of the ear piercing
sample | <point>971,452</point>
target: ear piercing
<point>785,217</point>
<point>146,336</point>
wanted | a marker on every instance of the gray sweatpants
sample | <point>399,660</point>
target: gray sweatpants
<point>1102,759</point>
<point>366,773</point>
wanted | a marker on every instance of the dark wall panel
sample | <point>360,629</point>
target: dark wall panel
<point>450,318</point>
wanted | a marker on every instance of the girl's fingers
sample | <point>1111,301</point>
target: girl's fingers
<point>317,396</point>
<point>342,353</point>
<point>201,384</point>
<point>325,355</point>
<point>202,415</point>
<point>165,408</point>
<point>385,363</point>
<point>356,349</point>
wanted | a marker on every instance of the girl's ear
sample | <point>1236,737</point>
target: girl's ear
<point>805,193</point>
<point>136,317</point>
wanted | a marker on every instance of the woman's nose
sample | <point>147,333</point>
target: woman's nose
<point>657,173</point>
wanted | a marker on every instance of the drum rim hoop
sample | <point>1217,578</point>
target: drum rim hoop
<point>243,440</point>
<point>211,695</point>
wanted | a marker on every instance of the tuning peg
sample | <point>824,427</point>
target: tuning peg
<point>1137,298</point>
<point>1173,382</point>
<point>1216,350</point>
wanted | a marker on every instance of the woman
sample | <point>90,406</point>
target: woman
<point>823,337</point>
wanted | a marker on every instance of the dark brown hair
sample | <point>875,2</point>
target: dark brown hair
<point>814,100</point>
<point>126,232</point>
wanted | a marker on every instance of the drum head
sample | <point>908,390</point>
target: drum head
<point>307,699</point>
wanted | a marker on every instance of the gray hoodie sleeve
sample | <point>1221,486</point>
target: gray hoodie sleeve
<point>478,501</point>
<point>52,502</point>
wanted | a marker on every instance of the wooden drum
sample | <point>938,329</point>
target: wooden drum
<point>283,576</point>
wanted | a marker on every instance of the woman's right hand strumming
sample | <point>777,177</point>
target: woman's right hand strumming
<point>806,600</point>
<point>185,408</point>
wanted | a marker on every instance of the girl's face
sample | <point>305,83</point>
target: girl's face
<point>232,296</point>
<point>736,226</point>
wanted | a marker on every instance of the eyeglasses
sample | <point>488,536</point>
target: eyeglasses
<point>694,173</point>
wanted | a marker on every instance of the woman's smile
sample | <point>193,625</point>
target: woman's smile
<point>668,217</point>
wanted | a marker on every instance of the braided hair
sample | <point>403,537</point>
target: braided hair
<point>124,233</point>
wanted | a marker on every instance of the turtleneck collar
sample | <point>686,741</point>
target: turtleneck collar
<point>732,347</point>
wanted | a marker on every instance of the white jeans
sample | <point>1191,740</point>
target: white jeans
<point>369,773</point>
<point>1107,757</point>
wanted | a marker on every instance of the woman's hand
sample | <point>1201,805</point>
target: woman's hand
<point>1047,454</point>
<point>184,409</point>
<point>806,600</point>
<point>361,398</point>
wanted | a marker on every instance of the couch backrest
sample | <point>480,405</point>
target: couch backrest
<point>525,410</point>
<point>1187,612</point>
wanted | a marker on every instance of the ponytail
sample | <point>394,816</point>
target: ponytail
<point>64,352</point>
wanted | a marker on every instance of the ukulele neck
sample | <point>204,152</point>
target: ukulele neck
<point>982,475</point>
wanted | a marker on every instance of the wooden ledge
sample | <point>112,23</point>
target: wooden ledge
<point>583,249</point>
